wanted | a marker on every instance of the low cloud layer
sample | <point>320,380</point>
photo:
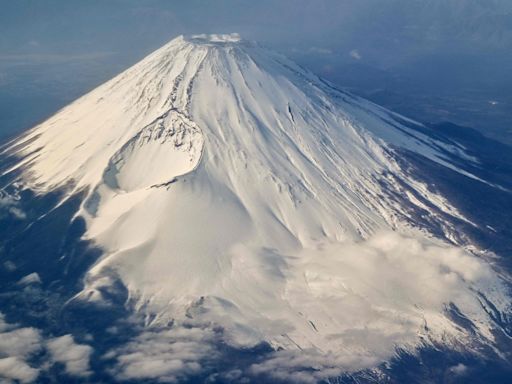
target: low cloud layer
<point>387,292</point>
<point>355,303</point>
<point>165,355</point>
<point>19,346</point>
<point>75,357</point>
<point>15,369</point>
<point>9,206</point>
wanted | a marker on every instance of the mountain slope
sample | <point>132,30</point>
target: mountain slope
<point>226,184</point>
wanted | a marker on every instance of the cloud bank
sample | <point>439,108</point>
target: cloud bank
<point>354,303</point>
<point>75,357</point>
<point>19,346</point>
<point>165,355</point>
<point>18,341</point>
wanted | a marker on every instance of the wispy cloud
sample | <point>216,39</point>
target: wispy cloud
<point>321,50</point>
<point>355,54</point>
<point>459,369</point>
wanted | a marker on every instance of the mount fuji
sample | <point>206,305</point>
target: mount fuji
<point>224,199</point>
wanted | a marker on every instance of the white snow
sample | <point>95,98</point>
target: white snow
<point>217,169</point>
<point>32,278</point>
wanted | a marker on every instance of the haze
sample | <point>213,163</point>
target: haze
<point>434,60</point>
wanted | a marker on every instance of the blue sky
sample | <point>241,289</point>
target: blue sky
<point>73,26</point>
<point>52,51</point>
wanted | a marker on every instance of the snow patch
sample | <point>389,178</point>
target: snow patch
<point>32,278</point>
<point>167,148</point>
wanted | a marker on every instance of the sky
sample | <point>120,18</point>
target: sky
<point>53,51</point>
<point>69,27</point>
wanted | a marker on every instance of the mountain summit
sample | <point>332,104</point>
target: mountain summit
<point>228,185</point>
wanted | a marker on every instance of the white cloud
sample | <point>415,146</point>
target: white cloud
<point>9,266</point>
<point>383,293</point>
<point>355,54</point>
<point>75,357</point>
<point>32,278</point>
<point>17,345</point>
<point>459,369</point>
<point>10,204</point>
<point>307,366</point>
<point>354,301</point>
<point>320,50</point>
<point>14,368</point>
<point>166,355</point>
<point>20,342</point>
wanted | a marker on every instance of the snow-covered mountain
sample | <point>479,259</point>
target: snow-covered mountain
<point>227,185</point>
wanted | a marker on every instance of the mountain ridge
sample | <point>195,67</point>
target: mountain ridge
<point>228,185</point>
